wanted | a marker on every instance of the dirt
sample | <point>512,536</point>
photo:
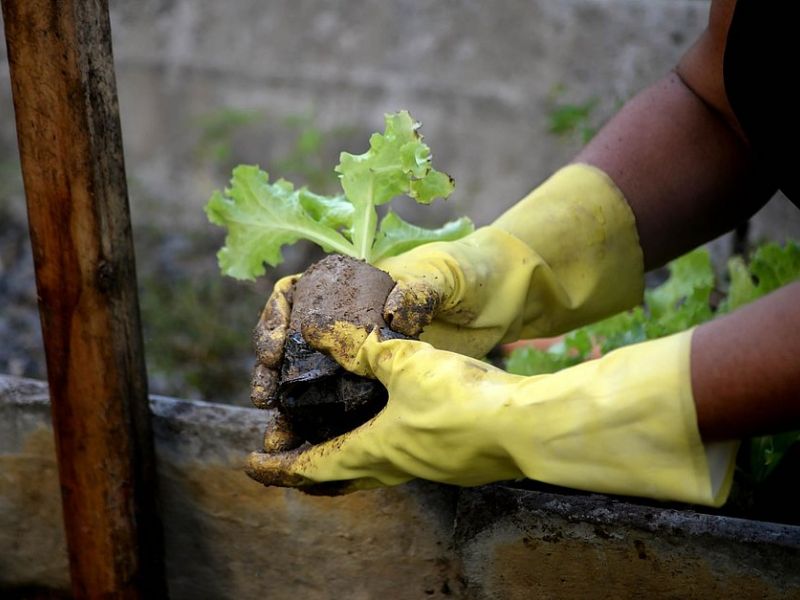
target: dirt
<point>318,398</point>
<point>344,288</point>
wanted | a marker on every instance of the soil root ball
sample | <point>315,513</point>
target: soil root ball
<point>319,398</point>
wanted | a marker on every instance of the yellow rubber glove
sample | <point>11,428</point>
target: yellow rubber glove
<point>622,424</point>
<point>566,255</point>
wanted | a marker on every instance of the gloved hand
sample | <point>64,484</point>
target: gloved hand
<point>622,424</point>
<point>269,336</point>
<point>566,255</point>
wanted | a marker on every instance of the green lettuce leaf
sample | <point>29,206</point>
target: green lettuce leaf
<point>396,235</point>
<point>684,299</point>
<point>743,289</point>
<point>623,329</point>
<point>335,212</point>
<point>397,163</point>
<point>532,361</point>
<point>261,217</point>
<point>766,452</point>
<point>774,265</point>
<point>771,267</point>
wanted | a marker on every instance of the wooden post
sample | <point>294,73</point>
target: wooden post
<point>70,144</point>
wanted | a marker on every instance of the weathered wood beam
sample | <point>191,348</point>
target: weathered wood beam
<point>64,91</point>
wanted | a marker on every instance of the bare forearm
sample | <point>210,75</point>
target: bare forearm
<point>684,164</point>
<point>746,370</point>
<point>685,172</point>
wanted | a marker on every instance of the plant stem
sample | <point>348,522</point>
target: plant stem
<point>364,235</point>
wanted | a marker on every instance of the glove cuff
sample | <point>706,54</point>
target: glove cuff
<point>580,224</point>
<point>623,424</point>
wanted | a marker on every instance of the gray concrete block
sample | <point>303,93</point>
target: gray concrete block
<point>227,536</point>
<point>518,544</point>
<point>33,549</point>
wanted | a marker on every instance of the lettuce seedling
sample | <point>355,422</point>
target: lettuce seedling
<point>316,397</point>
<point>263,217</point>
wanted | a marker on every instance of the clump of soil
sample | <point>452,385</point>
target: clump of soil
<point>343,288</point>
<point>319,398</point>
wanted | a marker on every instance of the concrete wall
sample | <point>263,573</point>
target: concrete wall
<point>228,537</point>
<point>480,79</point>
<point>484,82</point>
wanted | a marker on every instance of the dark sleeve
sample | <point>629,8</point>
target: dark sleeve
<point>761,69</point>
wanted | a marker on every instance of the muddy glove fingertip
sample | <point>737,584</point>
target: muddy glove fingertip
<point>264,386</point>
<point>279,435</point>
<point>273,323</point>
<point>341,340</point>
<point>410,307</point>
<point>275,469</point>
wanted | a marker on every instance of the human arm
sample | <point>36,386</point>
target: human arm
<point>626,423</point>
<point>622,424</point>
<point>676,157</point>
<point>745,369</point>
<point>690,178</point>
<point>678,154</point>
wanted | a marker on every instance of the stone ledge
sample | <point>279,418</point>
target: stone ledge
<point>228,537</point>
<point>515,543</point>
